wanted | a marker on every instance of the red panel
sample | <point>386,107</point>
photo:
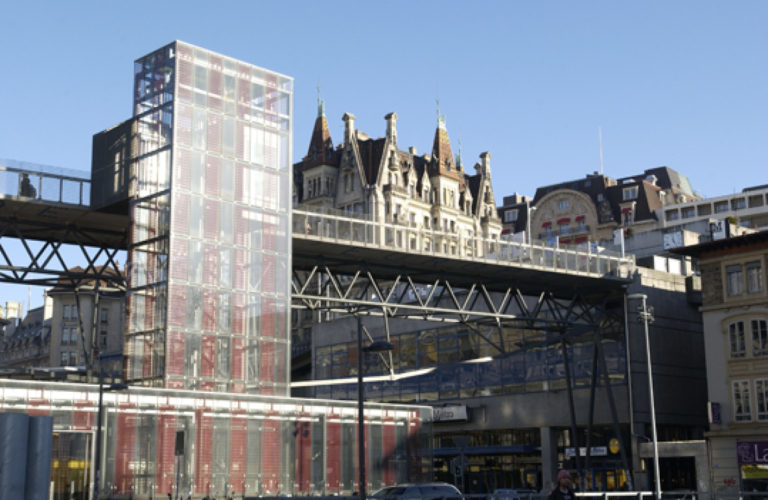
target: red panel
<point>303,454</point>
<point>238,312</point>
<point>267,361</point>
<point>211,264</point>
<point>124,456</point>
<point>82,418</point>
<point>209,310</point>
<point>388,446</point>
<point>203,451</point>
<point>268,273</point>
<point>414,460</point>
<point>33,405</point>
<point>213,167</point>
<point>178,308</point>
<point>269,232</point>
<point>180,261</point>
<point>212,218</point>
<point>166,440</point>
<point>176,358</point>
<point>180,211</point>
<point>333,457</point>
<point>186,72</point>
<point>270,455</point>
<point>237,450</point>
<point>147,364</point>
<point>208,354</point>
<point>238,351</point>
<point>267,317</point>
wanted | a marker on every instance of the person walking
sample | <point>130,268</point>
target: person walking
<point>563,490</point>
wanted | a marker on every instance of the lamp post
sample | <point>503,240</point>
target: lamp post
<point>377,346</point>
<point>97,455</point>
<point>647,316</point>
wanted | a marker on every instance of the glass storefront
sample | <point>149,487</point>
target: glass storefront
<point>229,443</point>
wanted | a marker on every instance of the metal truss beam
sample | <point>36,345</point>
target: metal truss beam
<point>402,297</point>
<point>30,254</point>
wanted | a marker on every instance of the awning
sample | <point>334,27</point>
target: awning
<point>564,220</point>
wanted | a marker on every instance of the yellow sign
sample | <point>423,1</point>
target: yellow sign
<point>613,445</point>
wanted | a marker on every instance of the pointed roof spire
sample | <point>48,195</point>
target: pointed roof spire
<point>458,157</point>
<point>440,116</point>
<point>320,103</point>
<point>441,147</point>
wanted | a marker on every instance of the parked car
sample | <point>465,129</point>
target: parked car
<point>421,491</point>
<point>507,494</point>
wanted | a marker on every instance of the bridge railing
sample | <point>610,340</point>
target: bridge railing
<point>413,239</point>
<point>29,181</point>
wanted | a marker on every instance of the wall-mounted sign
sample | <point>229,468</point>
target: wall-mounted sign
<point>673,240</point>
<point>752,452</point>
<point>595,451</point>
<point>713,409</point>
<point>456,413</point>
<point>719,229</point>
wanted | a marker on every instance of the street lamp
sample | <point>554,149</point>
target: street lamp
<point>97,457</point>
<point>376,346</point>
<point>646,314</point>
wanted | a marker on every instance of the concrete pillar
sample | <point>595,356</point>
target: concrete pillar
<point>548,458</point>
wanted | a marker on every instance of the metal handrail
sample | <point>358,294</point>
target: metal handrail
<point>361,231</point>
<point>37,182</point>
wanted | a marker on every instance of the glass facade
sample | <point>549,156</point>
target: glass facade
<point>235,445</point>
<point>210,252</point>
<point>532,362</point>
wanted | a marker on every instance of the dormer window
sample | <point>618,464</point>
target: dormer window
<point>629,193</point>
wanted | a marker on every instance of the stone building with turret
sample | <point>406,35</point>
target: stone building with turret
<point>376,179</point>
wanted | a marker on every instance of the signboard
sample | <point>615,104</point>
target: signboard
<point>719,229</point>
<point>752,452</point>
<point>595,451</point>
<point>456,413</point>
<point>713,409</point>
<point>673,240</point>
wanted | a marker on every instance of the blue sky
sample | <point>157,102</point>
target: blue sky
<point>682,84</point>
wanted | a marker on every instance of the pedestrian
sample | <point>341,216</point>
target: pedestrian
<point>563,490</point>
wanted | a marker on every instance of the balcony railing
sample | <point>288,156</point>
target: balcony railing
<point>419,240</point>
<point>39,182</point>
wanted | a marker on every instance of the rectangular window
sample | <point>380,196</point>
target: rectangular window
<point>629,193</point>
<point>672,214</point>
<point>759,337</point>
<point>738,203</point>
<point>742,411</point>
<point>735,280</point>
<point>65,313</point>
<point>754,277</point>
<point>104,315</point>
<point>64,358</point>
<point>510,215</point>
<point>564,205</point>
<point>688,212</point>
<point>761,398</point>
<point>721,206</point>
<point>736,339</point>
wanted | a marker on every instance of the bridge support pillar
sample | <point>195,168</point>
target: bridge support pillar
<point>548,458</point>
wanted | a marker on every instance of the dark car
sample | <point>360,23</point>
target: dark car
<point>421,491</point>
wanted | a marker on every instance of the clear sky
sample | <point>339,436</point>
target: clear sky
<point>682,84</point>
